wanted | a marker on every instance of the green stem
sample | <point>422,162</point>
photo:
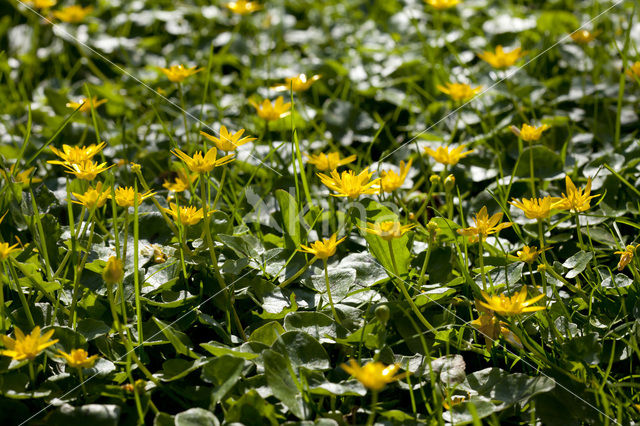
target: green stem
<point>214,259</point>
<point>481,259</point>
<point>136,278</point>
<point>374,404</point>
<point>579,231</point>
<point>533,182</point>
<point>403,290</point>
<point>32,374</point>
<point>184,114</point>
<point>23,299</point>
<point>423,271</point>
<point>297,274</point>
<point>544,257</point>
<point>81,377</point>
<point>326,280</point>
<point>2,314</point>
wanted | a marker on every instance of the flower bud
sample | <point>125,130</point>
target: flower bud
<point>382,313</point>
<point>449,183</point>
<point>113,271</point>
<point>135,167</point>
<point>434,179</point>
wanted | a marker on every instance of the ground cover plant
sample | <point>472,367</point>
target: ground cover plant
<point>319,212</point>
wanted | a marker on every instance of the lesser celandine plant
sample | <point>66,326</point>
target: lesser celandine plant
<point>171,264</point>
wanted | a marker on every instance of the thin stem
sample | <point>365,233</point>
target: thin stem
<point>544,257</point>
<point>579,231</point>
<point>423,271</point>
<point>533,184</point>
<point>403,290</point>
<point>23,300</point>
<point>326,280</point>
<point>81,377</point>
<point>214,258</point>
<point>481,259</point>
<point>136,278</point>
<point>297,274</point>
<point>2,314</point>
<point>32,375</point>
<point>374,405</point>
<point>184,114</point>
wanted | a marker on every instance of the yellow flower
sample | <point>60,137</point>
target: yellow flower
<point>453,400</point>
<point>584,36</point>
<point>125,196</point>
<point>633,71</point>
<point>243,7</point>
<point>459,91</point>
<point>576,200</point>
<point>27,347</point>
<point>203,164</point>
<point>537,208</point>
<point>73,14</point>
<point>76,154</point>
<point>529,133</point>
<point>186,215</point>
<point>228,141</point>
<point>23,177</point>
<point>388,230</point>
<point>442,4</point>
<point>330,161</point>
<point>93,197</point>
<point>502,59</point>
<point>514,305</point>
<point>529,254</point>
<point>272,111</point>
<point>87,170</point>
<point>181,183</point>
<point>298,83</point>
<point>484,225</point>
<point>349,184</point>
<point>113,271</point>
<point>178,73</point>
<point>447,156</point>
<point>78,358</point>
<point>626,256</point>
<point>323,249</point>
<point>86,104</point>
<point>373,375</point>
<point>42,4</point>
<point>390,180</point>
<point>489,326</point>
<point>6,250</point>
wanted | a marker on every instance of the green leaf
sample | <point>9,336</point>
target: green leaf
<point>268,333</point>
<point>577,263</point>
<point>379,247</point>
<point>93,414</point>
<point>468,412</point>
<point>584,348</point>
<point>318,325</point>
<point>252,409</point>
<point>280,378</point>
<point>509,388</point>
<point>176,368</point>
<point>180,341</point>
<point>223,372</point>
<point>290,219</point>
<point>302,350</point>
<point>196,417</point>
<point>245,351</point>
